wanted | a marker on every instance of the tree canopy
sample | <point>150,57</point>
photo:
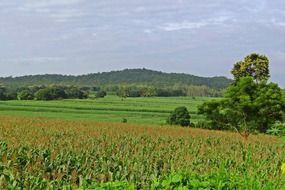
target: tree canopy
<point>250,104</point>
<point>253,65</point>
<point>180,116</point>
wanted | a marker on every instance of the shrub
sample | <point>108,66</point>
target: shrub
<point>124,120</point>
<point>50,93</point>
<point>180,116</point>
<point>25,95</point>
<point>100,94</point>
<point>75,93</point>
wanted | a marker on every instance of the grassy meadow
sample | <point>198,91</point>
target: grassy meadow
<point>152,110</point>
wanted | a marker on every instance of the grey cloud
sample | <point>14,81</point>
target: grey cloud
<point>82,36</point>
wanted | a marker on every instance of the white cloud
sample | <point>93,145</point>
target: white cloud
<point>148,31</point>
<point>60,10</point>
<point>182,25</point>
<point>277,22</point>
<point>194,25</point>
<point>49,3</point>
<point>256,6</point>
<point>34,60</point>
<point>66,14</point>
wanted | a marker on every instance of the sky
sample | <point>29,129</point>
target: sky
<point>203,38</point>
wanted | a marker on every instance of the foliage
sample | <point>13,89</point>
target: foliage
<point>50,93</point>
<point>60,92</point>
<point>250,104</point>
<point>180,116</point>
<point>277,129</point>
<point>255,66</point>
<point>212,110</point>
<point>136,77</point>
<point>3,93</point>
<point>75,93</point>
<point>100,94</point>
<point>283,168</point>
<point>124,120</point>
<point>214,181</point>
<point>117,185</point>
<point>7,94</point>
<point>141,91</point>
<point>25,94</point>
<point>247,107</point>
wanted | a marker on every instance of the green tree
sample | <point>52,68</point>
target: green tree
<point>3,93</point>
<point>100,94</point>
<point>254,65</point>
<point>249,105</point>
<point>75,93</point>
<point>50,93</point>
<point>25,95</point>
<point>180,116</point>
<point>7,93</point>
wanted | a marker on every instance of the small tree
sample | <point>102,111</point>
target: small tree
<point>50,93</point>
<point>180,116</point>
<point>25,95</point>
<point>100,94</point>
<point>75,93</point>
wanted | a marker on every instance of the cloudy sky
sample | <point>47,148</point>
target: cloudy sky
<point>85,36</point>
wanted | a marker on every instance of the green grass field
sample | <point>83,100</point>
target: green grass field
<point>152,110</point>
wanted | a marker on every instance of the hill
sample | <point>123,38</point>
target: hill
<point>127,76</point>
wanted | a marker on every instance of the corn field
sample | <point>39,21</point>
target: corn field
<point>38,153</point>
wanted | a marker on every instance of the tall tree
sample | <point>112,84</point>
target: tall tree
<point>254,65</point>
<point>251,103</point>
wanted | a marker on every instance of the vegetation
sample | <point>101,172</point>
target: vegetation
<point>180,116</point>
<point>251,104</point>
<point>84,154</point>
<point>89,155</point>
<point>151,110</point>
<point>126,83</point>
<point>6,94</point>
<point>25,94</point>
<point>52,92</point>
<point>253,65</point>
<point>135,77</point>
<point>100,94</point>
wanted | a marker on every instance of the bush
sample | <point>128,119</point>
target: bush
<point>7,94</point>
<point>50,93</point>
<point>124,120</point>
<point>75,93</point>
<point>100,94</point>
<point>25,95</point>
<point>278,129</point>
<point>180,116</point>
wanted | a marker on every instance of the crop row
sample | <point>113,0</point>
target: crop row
<point>41,153</point>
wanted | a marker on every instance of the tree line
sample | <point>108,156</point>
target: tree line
<point>183,90</point>
<point>55,92</point>
<point>52,92</point>
<point>136,77</point>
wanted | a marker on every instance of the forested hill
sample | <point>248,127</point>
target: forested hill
<point>127,76</point>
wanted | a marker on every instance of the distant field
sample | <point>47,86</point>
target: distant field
<point>152,110</point>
